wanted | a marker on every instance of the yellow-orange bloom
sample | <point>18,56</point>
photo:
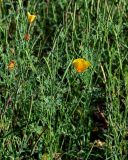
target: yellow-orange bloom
<point>11,65</point>
<point>31,17</point>
<point>81,65</point>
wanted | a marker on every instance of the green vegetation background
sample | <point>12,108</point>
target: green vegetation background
<point>47,110</point>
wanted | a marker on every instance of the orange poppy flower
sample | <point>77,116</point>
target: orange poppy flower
<point>31,17</point>
<point>11,65</point>
<point>81,65</point>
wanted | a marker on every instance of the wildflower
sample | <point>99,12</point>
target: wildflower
<point>81,65</point>
<point>11,65</point>
<point>27,37</point>
<point>98,143</point>
<point>31,17</point>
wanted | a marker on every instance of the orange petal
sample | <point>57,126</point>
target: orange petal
<point>81,65</point>
<point>11,65</point>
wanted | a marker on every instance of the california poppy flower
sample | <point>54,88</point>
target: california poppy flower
<point>31,17</point>
<point>11,65</point>
<point>81,65</point>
